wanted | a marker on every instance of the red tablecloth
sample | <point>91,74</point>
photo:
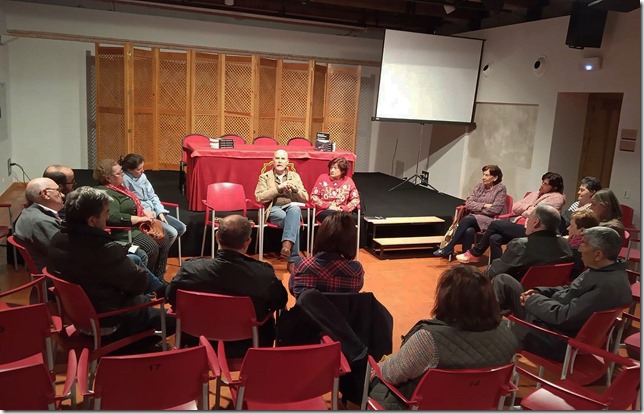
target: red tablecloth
<point>243,165</point>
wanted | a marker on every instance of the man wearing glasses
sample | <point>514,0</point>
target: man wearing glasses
<point>38,223</point>
<point>63,176</point>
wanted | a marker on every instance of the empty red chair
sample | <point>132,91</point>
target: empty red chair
<point>286,378</point>
<point>547,275</point>
<point>568,395</point>
<point>239,140</point>
<point>29,261</point>
<point>263,140</point>
<point>176,379</point>
<point>452,389</point>
<point>298,142</point>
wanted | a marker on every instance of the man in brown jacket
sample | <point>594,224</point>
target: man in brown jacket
<point>277,189</point>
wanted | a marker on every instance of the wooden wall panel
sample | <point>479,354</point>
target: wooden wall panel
<point>110,104</point>
<point>172,101</point>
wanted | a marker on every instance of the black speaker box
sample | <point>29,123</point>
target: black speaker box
<point>586,26</point>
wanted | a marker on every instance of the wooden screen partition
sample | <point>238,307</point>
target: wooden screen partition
<point>148,99</point>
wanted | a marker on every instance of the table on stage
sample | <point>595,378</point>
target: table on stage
<point>243,164</point>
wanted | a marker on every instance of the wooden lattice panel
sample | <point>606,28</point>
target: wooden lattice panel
<point>290,129</point>
<point>171,132</point>
<point>143,86</point>
<point>267,80</point>
<point>238,125</point>
<point>342,95</point>
<point>172,81</point>
<point>207,125</point>
<point>343,134</point>
<point>110,72</point>
<point>316,126</point>
<point>206,80</point>
<point>294,90</point>
<point>112,135</point>
<point>319,87</point>
<point>238,90</point>
<point>142,142</point>
<point>266,127</point>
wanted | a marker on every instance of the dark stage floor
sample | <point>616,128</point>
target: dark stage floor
<point>406,201</point>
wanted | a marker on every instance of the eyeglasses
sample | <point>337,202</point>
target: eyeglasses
<point>120,173</point>
<point>72,182</point>
<point>52,189</point>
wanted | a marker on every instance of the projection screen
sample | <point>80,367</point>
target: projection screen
<point>428,78</point>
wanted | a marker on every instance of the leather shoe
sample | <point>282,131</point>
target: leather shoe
<point>286,249</point>
<point>442,253</point>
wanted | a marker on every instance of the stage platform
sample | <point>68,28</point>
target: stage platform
<point>407,200</point>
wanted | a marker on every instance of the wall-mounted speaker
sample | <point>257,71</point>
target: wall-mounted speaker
<point>586,26</point>
<point>540,66</point>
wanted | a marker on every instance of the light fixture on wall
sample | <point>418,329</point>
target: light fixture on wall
<point>540,66</point>
<point>229,2</point>
<point>589,64</point>
<point>487,69</point>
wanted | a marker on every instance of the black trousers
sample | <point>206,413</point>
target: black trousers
<point>465,233</point>
<point>499,233</point>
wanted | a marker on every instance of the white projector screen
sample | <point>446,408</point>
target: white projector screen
<point>428,78</point>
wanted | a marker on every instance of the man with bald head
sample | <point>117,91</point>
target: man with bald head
<point>38,223</point>
<point>277,189</point>
<point>61,175</point>
<point>541,246</point>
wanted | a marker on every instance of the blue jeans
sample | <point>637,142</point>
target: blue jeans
<point>153,282</point>
<point>289,219</point>
<point>173,228</point>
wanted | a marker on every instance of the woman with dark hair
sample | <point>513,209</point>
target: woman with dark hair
<point>605,205</point>
<point>465,332</point>
<point>587,188</point>
<point>332,267</point>
<point>486,201</point>
<point>502,232</point>
<point>335,191</point>
<point>136,181</point>
<point>126,211</point>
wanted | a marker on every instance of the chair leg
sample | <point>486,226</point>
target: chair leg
<point>203,239</point>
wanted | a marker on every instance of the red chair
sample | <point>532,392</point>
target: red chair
<point>37,283</point>
<point>581,368</point>
<point>173,380</point>
<point>547,275</point>
<point>568,395</point>
<point>452,389</point>
<point>217,318</point>
<point>26,336</point>
<point>239,140</point>
<point>298,142</point>
<point>264,140</point>
<point>32,386</point>
<point>192,139</point>
<point>82,325</point>
<point>176,208</point>
<point>226,197</point>
<point>29,261</point>
<point>5,231</point>
<point>286,378</point>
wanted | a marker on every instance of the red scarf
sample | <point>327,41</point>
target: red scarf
<point>125,191</point>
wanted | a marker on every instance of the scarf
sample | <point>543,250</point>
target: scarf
<point>125,191</point>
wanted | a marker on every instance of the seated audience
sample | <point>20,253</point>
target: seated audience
<point>335,191</point>
<point>580,220</point>
<point>465,332</point>
<point>38,223</point>
<point>136,181</point>
<point>233,273</point>
<point>126,210</point>
<point>605,205</point>
<point>61,175</point>
<point>332,267</point>
<point>587,188</point>
<point>541,246</point>
<point>565,309</point>
<point>277,189</point>
<point>486,201</point>
<point>84,253</point>
<point>501,232</point>
<point>616,225</point>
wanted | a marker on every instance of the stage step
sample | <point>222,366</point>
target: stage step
<point>380,244</point>
<point>407,241</point>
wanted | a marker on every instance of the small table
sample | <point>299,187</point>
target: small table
<point>380,244</point>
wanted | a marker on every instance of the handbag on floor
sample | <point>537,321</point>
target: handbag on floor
<point>458,215</point>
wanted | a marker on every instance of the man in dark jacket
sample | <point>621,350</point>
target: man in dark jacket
<point>85,254</point>
<point>542,245</point>
<point>565,309</point>
<point>235,274</point>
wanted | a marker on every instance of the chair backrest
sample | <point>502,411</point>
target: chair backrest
<point>547,275</point>
<point>298,142</point>
<point>154,381</point>
<point>265,141</point>
<point>597,328</point>
<point>509,201</point>
<point>226,197</point>
<point>29,261</point>
<point>289,374</point>
<point>624,390</point>
<point>462,389</point>
<point>75,306</point>
<point>24,332</point>
<point>236,138</point>
<point>27,387</point>
<point>627,215</point>
<point>216,317</point>
<point>193,139</point>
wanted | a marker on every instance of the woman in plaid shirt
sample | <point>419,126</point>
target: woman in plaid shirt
<point>332,268</point>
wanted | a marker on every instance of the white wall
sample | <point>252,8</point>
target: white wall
<point>5,142</point>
